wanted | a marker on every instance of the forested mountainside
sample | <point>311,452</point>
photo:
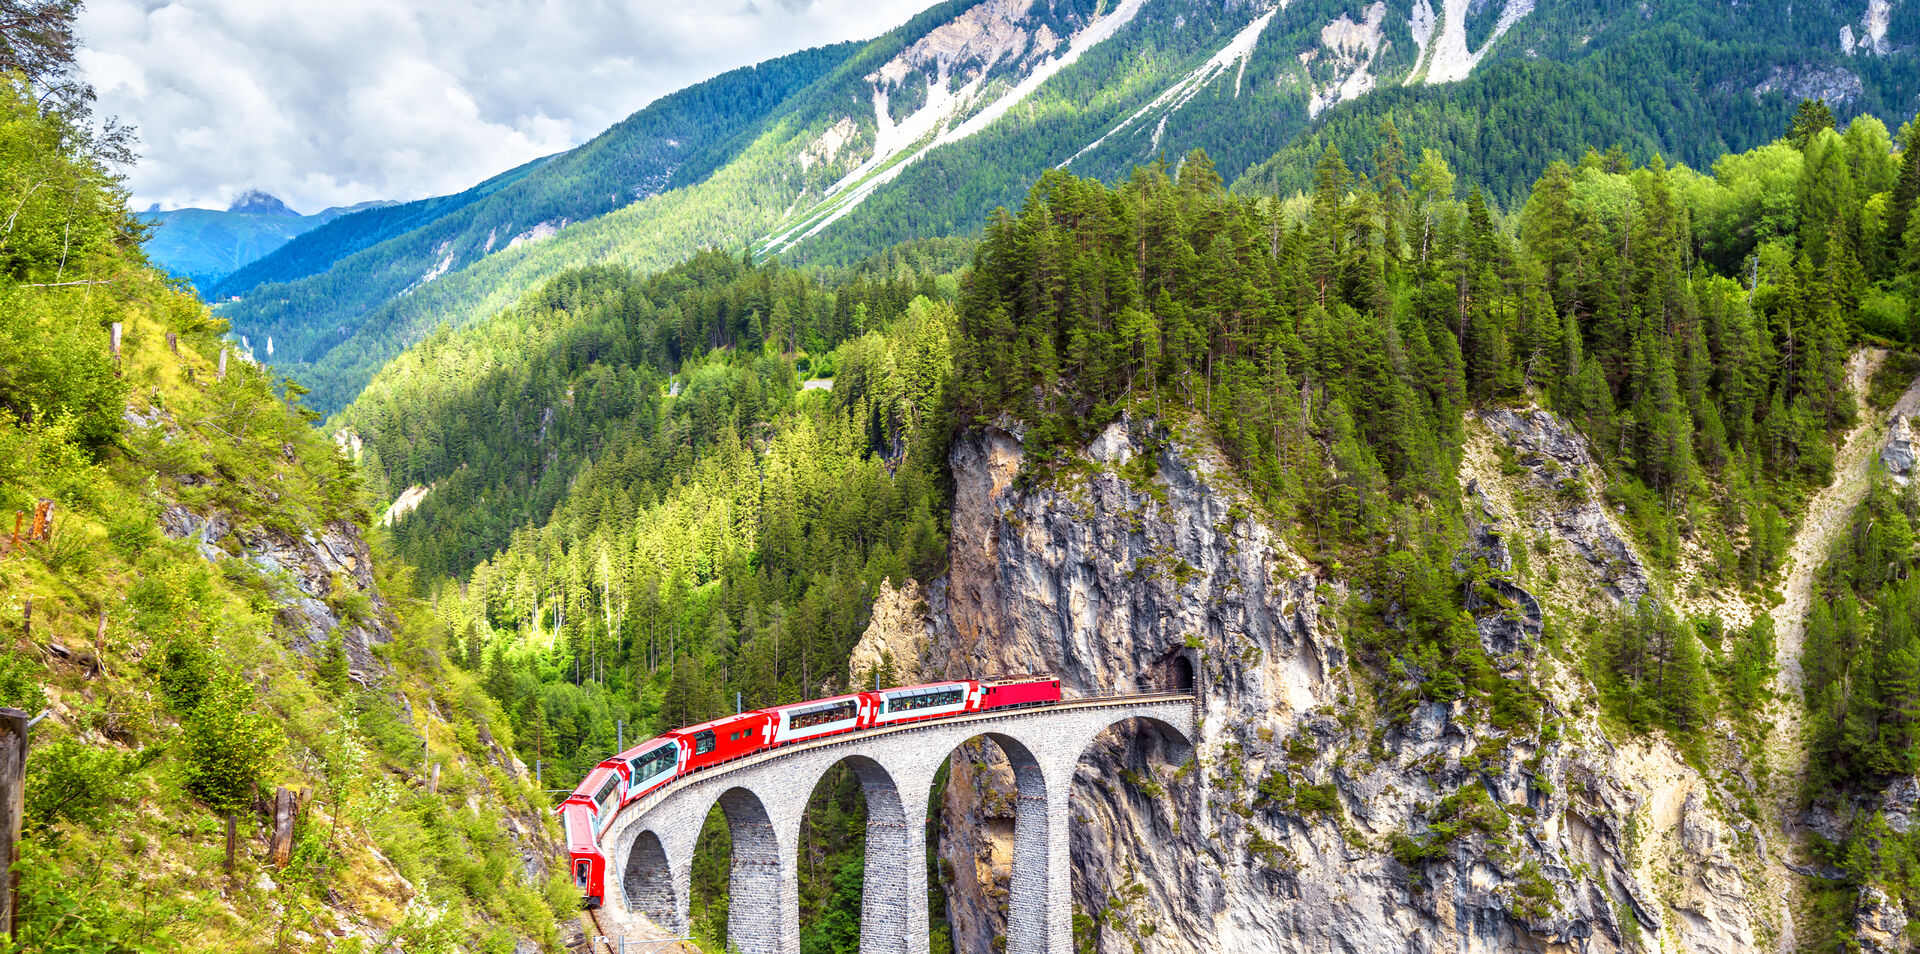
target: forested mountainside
<point>1543,474</point>
<point>837,153</point>
<point>193,607</point>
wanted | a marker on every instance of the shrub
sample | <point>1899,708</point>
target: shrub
<point>20,680</point>
<point>70,781</point>
<point>1316,798</point>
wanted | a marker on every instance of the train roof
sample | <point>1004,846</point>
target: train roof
<point>635,751</point>
<point>814,702</point>
<point>579,826</point>
<point>926,685</point>
<point>1010,680</point>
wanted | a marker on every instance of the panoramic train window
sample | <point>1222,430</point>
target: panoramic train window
<point>837,712</point>
<point>924,699</point>
<point>650,765</point>
<point>703,743</point>
<point>608,794</point>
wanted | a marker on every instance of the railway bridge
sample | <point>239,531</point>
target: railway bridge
<point>650,844</point>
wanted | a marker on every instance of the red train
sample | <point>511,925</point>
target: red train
<point>640,770</point>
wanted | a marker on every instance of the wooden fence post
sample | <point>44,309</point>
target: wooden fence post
<point>285,812</point>
<point>13,774</point>
<point>100,646</point>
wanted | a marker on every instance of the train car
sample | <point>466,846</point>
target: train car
<point>588,865</point>
<point>586,813</point>
<point>711,743</point>
<point>650,765</point>
<point>930,701</point>
<point>633,774</point>
<point>1033,691</point>
<point>821,717</point>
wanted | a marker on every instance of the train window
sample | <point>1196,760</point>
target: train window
<point>651,765</point>
<point>704,742</point>
<point>608,796</point>
<point>923,699</point>
<point>581,870</point>
<point>837,712</point>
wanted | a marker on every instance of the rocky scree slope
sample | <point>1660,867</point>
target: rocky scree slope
<point>1277,829</point>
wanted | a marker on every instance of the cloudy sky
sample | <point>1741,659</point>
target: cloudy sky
<point>332,102</point>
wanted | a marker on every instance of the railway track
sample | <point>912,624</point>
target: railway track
<point>596,929</point>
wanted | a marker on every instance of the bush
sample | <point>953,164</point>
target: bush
<point>20,680</point>
<point>1316,798</point>
<point>70,781</point>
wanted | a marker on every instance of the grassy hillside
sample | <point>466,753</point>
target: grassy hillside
<point>203,624</point>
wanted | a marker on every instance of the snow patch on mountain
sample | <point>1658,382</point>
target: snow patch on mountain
<point>967,48</point>
<point>1444,57</point>
<point>1237,51</point>
<point>1351,48</point>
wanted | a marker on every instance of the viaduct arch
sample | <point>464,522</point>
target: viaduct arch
<point>650,844</point>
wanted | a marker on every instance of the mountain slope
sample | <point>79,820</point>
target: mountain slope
<point>316,251</point>
<point>208,639</point>
<point>678,139</point>
<point>925,131</point>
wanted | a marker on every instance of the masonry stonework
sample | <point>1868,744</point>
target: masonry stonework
<point>650,844</point>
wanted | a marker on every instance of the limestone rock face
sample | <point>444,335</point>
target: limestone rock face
<point>1897,455</point>
<point>896,639</point>
<point>1879,922</point>
<point>1557,462</point>
<point>1143,566</point>
<point>316,567</point>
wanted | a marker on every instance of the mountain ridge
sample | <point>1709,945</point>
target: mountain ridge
<point>825,172</point>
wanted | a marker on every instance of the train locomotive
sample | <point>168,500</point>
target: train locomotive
<point>644,768</point>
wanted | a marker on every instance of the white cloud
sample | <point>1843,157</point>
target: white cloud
<point>331,102</point>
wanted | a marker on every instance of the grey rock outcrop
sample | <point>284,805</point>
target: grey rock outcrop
<point>1897,455</point>
<point>315,574</point>
<point>1556,468</point>
<point>1879,922</point>
<point>1146,566</point>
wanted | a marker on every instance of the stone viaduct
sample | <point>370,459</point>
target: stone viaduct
<point>650,844</point>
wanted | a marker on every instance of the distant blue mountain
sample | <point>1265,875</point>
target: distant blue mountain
<point>206,245</point>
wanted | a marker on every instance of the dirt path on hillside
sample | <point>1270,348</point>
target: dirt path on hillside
<point>1827,516</point>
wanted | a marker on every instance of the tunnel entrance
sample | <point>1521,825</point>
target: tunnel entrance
<point>1182,673</point>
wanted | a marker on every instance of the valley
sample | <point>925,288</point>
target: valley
<point>1447,465</point>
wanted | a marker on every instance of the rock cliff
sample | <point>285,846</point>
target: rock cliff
<point>326,579</point>
<point>1300,819</point>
